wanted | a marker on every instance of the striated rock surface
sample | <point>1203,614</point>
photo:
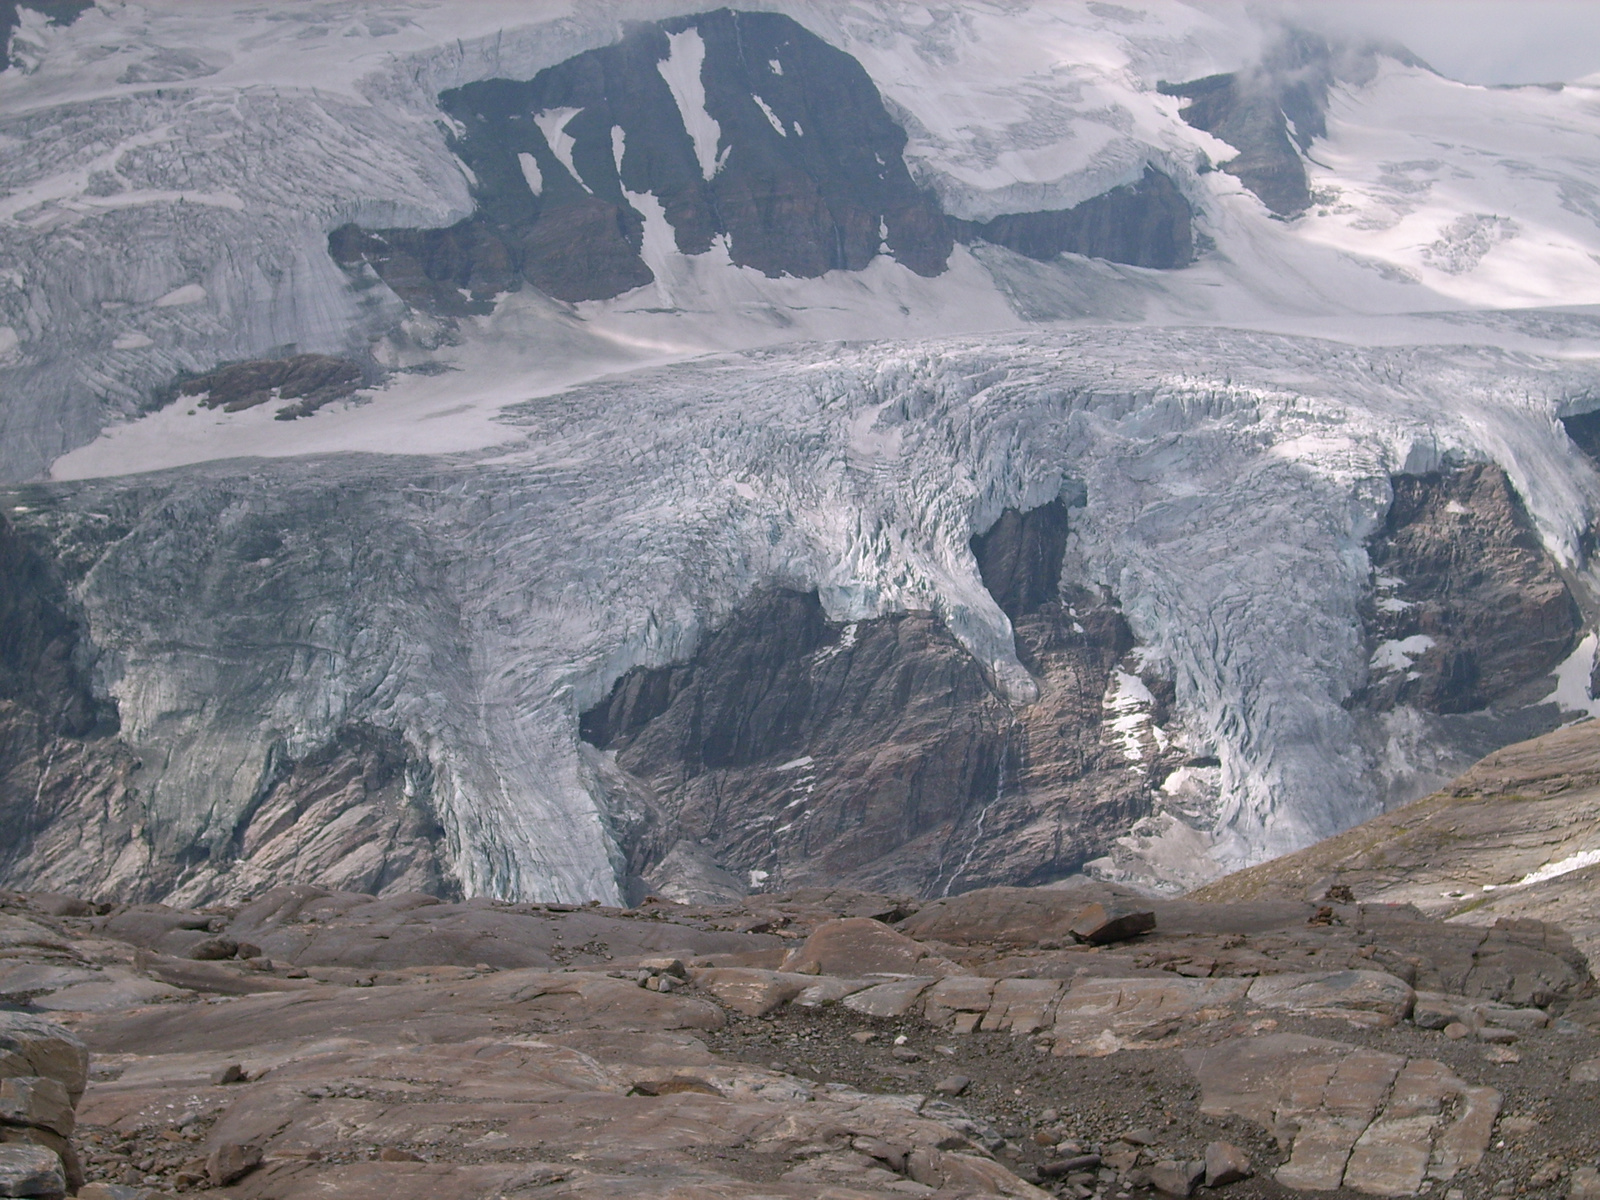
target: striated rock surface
<point>1511,845</point>
<point>999,1069</point>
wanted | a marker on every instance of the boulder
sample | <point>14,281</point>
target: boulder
<point>38,1102</point>
<point>1225,1164</point>
<point>1099,925</point>
<point>1364,997</point>
<point>856,946</point>
<point>1172,1178</point>
<point>888,999</point>
<point>30,1171</point>
<point>231,1161</point>
<point>752,992</point>
<point>31,1045</point>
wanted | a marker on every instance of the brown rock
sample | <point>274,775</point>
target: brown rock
<point>1177,1178</point>
<point>1066,1166</point>
<point>30,1045</point>
<point>231,1161</point>
<point>750,991</point>
<point>391,1154</point>
<point>33,1100</point>
<point>1098,925</point>
<point>1225,1164</point>
<point>1365,997</point>
<point>857,946</point>
<point>1455,1031</point>
<point>232,1073</point>
<point>213,949</point>
<point>952,1085</point>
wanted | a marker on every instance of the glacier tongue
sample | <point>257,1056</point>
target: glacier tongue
<point>478,603</point>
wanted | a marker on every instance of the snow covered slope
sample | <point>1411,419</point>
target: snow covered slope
<point>172,173</point>
<point>590,486</point>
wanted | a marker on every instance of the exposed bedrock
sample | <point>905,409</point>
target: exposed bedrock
<point>81,809</point>
<point>728,127</point>
<point>792,751</point>
<point>1145,224</point>
<point>1468,606</point>
<point>58,752</point>
<point>1270,115</point>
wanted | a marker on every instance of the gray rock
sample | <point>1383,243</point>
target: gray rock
<point>30,1171</point>
<point>1225,1164</point>
<point>36,1101</point>
<point>888,999</point>
<point>952,1085</point>
<point>30,1045</point>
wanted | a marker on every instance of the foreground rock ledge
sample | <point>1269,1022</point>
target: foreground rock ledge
<point>789,1046</point>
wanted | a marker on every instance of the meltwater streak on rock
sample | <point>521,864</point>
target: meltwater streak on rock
<point>1226,508</point>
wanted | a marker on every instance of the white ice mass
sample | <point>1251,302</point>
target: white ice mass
<point>599,484</point>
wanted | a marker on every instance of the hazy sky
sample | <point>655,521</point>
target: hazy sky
<point>1480,41</point>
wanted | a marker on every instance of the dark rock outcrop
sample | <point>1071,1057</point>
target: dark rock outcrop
<point>355,816</point>
<point>1468,605</point>
<point>791,750</point>
<point>1584,430</point>
<point>814,752</point>
<point>1144,224</point>
<point>806,175</point>
<point>310,379</point>
<point>1270,115</point>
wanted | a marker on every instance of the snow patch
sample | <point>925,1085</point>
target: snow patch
<point>772,117</point>
<point>681,70</point>
<point>1574,862</point>
<point>553,124</point>
<point>531,172</point>
<point>129,341</point>
<point>794,764</point>
<point>1132,722</point>
<point>1398,655</point>
<point>1572,681</point>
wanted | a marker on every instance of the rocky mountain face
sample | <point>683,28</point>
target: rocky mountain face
<point>732,128</point>
<point>1467,605</point>
<point>59,756</point>
<point>793,750</point>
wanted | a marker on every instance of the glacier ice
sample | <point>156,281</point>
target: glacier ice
<point>479,602</point>
<point>588,488</point>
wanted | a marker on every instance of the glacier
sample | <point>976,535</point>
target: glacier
<point>480,601</point>
<point>568,491</point>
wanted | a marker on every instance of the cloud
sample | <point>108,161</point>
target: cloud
<point>1477,41</point>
